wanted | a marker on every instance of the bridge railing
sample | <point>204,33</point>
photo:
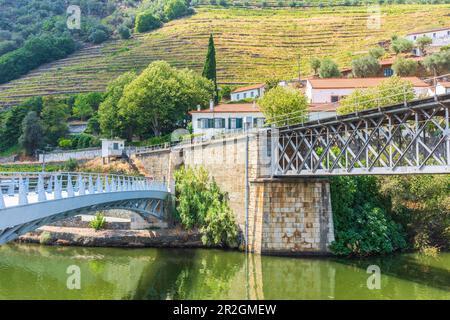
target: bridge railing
<point>401,95</point>
<point>21,188</point>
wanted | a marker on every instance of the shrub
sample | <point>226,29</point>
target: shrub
<point>45,238</point>
<point>98,222</point>
<point>201,204</point>
<point>71,165</point>
<point>174,9</point>
<point>147,21</point>
<point>65,143</point>
<point>366,66</point>
<point>124,32</point>
<point>405,67</point>
<point>362,224</point>
<point>98,36</point>
<point>36,51</point>
<point>329,69</point>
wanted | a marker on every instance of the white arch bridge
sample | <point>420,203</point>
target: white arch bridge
<point>31,200</point>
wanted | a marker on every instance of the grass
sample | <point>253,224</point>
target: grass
<point>30,168</point>
<point>252,45</point>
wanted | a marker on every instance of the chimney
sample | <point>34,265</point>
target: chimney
<point>198,107</point>
<point>211,105</point>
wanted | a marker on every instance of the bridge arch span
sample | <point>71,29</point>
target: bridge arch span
<point>34,200</point>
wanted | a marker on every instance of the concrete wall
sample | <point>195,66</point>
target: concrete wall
<point>63,156</point>
<point>285,216</point>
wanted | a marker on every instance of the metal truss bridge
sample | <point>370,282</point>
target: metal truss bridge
<point>31,200</point>
<point>407,138</point>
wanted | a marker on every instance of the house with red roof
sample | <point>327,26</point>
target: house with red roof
<point>331,90</point>
<point>439,36</point>
<point>253,91</point>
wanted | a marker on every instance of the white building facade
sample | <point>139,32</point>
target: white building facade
<point>440,37</point>
<point>226,118</point>
<point>332,90</point>
<point>252,92</point>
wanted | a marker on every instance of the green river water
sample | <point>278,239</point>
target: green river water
<point>40,272</point>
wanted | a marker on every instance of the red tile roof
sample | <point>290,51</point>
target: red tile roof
<point>431,30</point>
<point>445,84</point>
<point>252,87</point>
<point>322,107</point>
<point>350,83</point>
<point>231,107</point>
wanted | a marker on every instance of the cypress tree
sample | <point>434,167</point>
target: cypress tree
<point>209,69</point>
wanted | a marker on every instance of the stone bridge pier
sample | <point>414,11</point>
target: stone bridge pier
<point>275,216</point>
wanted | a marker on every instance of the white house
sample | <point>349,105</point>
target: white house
<point>439,36</point>
<point>230,117</point>
<point>443,88</point>
<point>225,118</point>
<point>326,91</point>
<point>252,91</point>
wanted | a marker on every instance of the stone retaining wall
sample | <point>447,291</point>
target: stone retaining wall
<point>285,216</point>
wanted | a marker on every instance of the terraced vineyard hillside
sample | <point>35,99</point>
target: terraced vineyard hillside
<point>252,45</point>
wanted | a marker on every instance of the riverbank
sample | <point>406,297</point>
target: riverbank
<point>88,237</point>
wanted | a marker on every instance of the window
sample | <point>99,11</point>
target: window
<point>219,123</point>
<point>434,35</point>
<point>238,96</point>
<point>115,146</point>
<point>415,37</point>
<point>448,33</point>
<point>258,122</point>
<point>235,123</point>
<point>252,94</point>
<point>205,123</point>
<point>334,99</point>
<point>245,95</point>
<point>388,72</point>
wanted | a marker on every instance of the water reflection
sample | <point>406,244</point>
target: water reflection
<point>39,272</point>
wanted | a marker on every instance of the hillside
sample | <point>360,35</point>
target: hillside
<point>252,45</point>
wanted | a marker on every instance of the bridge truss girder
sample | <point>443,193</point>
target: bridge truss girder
<point>402,139</point>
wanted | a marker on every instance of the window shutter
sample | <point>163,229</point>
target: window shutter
<point>199,123</point>
<point>238,123</point>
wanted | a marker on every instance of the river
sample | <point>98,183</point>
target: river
<point>40,272</point>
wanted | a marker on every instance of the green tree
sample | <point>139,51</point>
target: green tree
<point>32,133</point>
<point>422,205</point>
<point>146,21</point>
<point>201,204</point>
<point>405,67</point>
<point>423,42</point>
<point>365,66</point>
<point>54,117</point>
<point>112,124</point>
<point>124,32</point>
<point>329,69</point>
<point>81,108</point>
<point>401,45</point>
<point>315,65</point>
<point>377,52</point>
<point>174,9</point>
<point>209,69</point>
<point>361,218</point>
<point>390,91</point>
<point>284,105</point>
<point>161,96</point>
<point>11,129</point>
<point>438,62</point>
